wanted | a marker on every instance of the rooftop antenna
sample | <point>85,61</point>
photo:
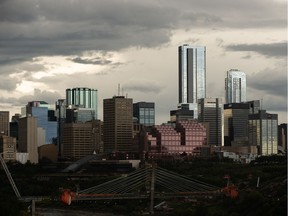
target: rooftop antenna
<point>118,89</point>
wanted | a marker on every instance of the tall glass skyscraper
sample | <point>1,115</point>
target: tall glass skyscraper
<point>235,86</point>
<point>82,98</point>
<point>192,75</point>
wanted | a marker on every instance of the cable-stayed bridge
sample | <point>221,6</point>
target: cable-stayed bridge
<point>145,183</point>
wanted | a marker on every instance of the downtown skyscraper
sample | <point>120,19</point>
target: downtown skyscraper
<point>83,98</point>
<point>235,86</point>
<point>192,75</point>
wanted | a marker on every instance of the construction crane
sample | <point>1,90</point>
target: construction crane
<point>10,177</point>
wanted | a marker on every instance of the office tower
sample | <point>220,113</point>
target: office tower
<point>45,118</point>
<point>236,124</point>
<point>27,142</point>
<point>282,137</point>
<point>182,113</point>
<point>235,86</point>
<point>263,132</point>
<point>78,114</point>
<point>82,98</point>
<point>118,124</point>
<point>144,112</point>
<point>4,123</point>
<point>60,114</point>
<point>77,140</point>
<point>210,111</point>
<point>192,75</point>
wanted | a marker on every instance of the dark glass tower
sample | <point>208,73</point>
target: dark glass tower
<point>145,113</point>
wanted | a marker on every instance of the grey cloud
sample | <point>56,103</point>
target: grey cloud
<point>33,28</point>
<point>277,50</point>
<point>91,61</point>
<point>7,83</point>
<point>270,81</point>
<point>47,96</point>
<point>143,86</point>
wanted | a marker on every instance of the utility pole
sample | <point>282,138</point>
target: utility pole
<point>152,188</point>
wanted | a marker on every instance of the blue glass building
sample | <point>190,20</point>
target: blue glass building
<point>39,109</point>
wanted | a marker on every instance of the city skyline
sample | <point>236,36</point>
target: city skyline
<point>49,46</point>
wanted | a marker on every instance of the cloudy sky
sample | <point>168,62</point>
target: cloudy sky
<point>48,46</point>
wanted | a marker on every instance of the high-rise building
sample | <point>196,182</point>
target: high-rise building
<point>236,122</point>
<point>28,138</point>
<point>192,75</point>
<point>77,140</point>
<point>118,124</point>
<point>182,113</point>
<point>45,118</point>
<point>210,111</point>
<point>263,132</point>
<point>282,137</point>
<point>4,123</point>
<point>235,86</point>
<point>145,113</point>
<point>82,98</point>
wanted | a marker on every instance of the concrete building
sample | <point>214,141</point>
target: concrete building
<point>210,112</point>
<point>4,123</point>
<point>77,140</point>
<point>8,148</point>
<point>27,142</point>
<point>118,124</point>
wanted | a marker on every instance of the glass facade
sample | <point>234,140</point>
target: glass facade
<point>82,98</point>
<point>186,136</point>
<point>210,111</point>
<point>145,113</point>
<point>40,111</point>
<point>192,73</point>
<point>263,132</point>
<point>235,86</point>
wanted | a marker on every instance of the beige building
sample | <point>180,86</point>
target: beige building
<point>27,142</point>
<point>8,147</point>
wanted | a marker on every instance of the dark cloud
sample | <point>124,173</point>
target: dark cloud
<point>270,81</point>
<point>277,50</point>
<point>91,61</point>
<point>33,28</point>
